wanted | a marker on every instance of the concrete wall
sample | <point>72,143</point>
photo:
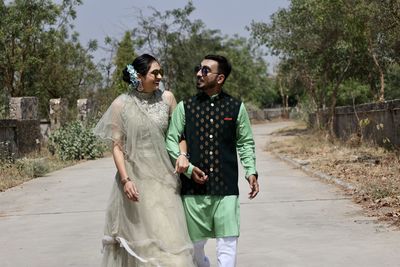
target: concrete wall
<point>18,138</point>
<point>377,122</point>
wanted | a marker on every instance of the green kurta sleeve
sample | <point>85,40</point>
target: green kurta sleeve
<point>175,130</point>
<point>245,142</point>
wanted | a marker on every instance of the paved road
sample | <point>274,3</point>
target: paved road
<point>296,220</point>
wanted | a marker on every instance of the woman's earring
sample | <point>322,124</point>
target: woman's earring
<point>140,87</point>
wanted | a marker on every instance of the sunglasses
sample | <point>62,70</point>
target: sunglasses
<point>204,70</point>
<point>156,72</point>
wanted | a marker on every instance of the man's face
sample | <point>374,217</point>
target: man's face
<point>207,75</point>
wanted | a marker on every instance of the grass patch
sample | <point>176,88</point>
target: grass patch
<point>16,172</point>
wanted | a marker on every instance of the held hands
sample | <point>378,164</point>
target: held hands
<point>199,176</point>
<point>131,191</point>
<point>254,187</point>
<point>182,164</point>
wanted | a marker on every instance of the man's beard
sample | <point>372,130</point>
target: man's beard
<point>205,86</point>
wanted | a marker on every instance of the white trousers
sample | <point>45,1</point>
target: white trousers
<point>226,252</point>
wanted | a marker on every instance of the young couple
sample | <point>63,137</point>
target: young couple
<point>154,217</point>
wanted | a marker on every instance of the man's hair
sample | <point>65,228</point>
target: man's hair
<point>224,67</point>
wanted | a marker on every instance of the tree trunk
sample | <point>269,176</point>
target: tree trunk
<point>285,102</point>
<point>381,74</point>
<point>333,112</point>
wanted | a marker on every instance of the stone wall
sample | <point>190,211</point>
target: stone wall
<point>24,108</point>
<point>85,107</point>
<point>58,113</point>
<point>8,139</point>
<point>20,134</point>
<point>23,132</point>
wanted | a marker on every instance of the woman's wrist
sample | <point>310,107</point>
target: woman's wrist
<point>125,180</point>
<point>184,154</point>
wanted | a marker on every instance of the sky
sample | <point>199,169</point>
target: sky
<point>97,19</point>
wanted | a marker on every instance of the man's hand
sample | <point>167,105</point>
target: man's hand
<point>182,164</point>
<point>254,187</point>
<point>199,176</point>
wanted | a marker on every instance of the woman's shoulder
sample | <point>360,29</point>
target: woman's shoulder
<point>120,100</point>
<point>169,98</point>
<point>168,95</point>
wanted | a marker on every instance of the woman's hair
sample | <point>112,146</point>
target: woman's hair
<point>141,64</point>
<point>224,67</point>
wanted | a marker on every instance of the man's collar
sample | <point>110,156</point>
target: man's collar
<point>204,96</point>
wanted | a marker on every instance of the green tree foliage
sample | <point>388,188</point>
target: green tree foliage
<point>181,43</point>
<point>120,53</point>
<point>288,85</point>
<point>249,80</point>
<point>330,45</point>
<point>38,55</point>
<point>178,43</point>
<point>353,92</point>
<point>309,35</point>
<point>393,82</point>
<point>124,55</point>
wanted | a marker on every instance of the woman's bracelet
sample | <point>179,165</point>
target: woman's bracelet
<point>184,154</point>
<point>125,180</point>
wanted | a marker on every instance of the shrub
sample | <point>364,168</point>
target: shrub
<point>75,142</point>
<point>33,167</point>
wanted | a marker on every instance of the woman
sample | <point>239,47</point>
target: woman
<point>145,223</point>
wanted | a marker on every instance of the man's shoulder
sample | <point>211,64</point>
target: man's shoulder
<point>231,98</point>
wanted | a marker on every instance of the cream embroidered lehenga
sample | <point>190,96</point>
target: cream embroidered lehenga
<point>153,231</point>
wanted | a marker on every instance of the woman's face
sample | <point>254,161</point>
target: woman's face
<point>151,81</point>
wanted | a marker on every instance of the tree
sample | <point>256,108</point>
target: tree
<point>38,55</point>
<point>324,44</point>
<point>360,37</point>
<point>120,53</point>
<point>180,44</point>
<point>124,55</point>
<point>393,82</point>
<point>249,79</point>
<point>382,33</point>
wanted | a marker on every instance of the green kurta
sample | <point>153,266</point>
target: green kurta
<point>213,216</point>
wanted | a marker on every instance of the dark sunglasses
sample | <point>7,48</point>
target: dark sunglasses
<point>156,72</point>
<point>204,70</point>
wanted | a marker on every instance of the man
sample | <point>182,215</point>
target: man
<point>216,126</point>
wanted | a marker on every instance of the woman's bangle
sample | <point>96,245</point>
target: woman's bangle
<point>125,180</point>
<point>184,154</point>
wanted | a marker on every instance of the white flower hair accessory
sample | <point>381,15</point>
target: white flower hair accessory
<point>133,76</point>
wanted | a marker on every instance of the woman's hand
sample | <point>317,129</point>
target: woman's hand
<point>182,164</point>
<point>131,191</point>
